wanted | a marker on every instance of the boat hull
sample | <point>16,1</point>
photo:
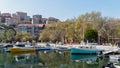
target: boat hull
<point>25,49</point>
<point>85,51</point>
<point>20,50</point>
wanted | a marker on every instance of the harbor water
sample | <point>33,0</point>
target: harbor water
<point>51,60</point>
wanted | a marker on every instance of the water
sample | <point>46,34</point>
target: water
<point>50,60</point>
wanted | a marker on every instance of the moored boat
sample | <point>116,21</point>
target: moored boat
<point>86,50</point>
<point>21,48</point>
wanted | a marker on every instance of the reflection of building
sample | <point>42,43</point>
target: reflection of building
<point>33,29</point>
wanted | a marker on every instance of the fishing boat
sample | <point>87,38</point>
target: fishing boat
<point>86,50</point>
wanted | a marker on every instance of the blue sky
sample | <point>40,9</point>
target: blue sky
<point>62,9</point>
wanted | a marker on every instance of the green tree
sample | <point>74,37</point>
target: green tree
<point>7,33</point>
<point>91,35</point>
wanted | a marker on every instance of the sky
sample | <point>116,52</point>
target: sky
<point>62,9</point>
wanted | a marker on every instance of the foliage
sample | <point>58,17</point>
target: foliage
<point>91,35</point>
<point>23,36</point>
<point>73,30</point>
<point>7,33</point>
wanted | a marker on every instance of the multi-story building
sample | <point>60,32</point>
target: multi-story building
<point>21,18</point>
<point>37,19</point>
<point>5,18</point>
<point>44,20</point>
<point>51,20</point>
<point>6,14</point>
<point>25,23</point>
<point>33,29</point>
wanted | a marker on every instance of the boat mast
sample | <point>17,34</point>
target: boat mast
<point>83,31</point>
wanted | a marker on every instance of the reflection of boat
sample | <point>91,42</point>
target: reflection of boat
<point>22,57</point>
<point>19,53</point>
<point>114,62</point>
<point>90,59</point>
<point>114,58</point>
<point>85,50</point>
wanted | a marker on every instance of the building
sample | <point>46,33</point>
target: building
<point>21,18</point>
<point>37,19</point>
<point>6,14</point>
<point>5,18</point>
<point>33,29</point>
<point>24,23</point>
<point>51,20</point>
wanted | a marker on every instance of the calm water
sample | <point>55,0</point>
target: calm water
<point>50,60</point>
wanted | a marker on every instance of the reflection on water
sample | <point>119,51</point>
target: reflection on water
<point>90,59</point>
<point>115,59</point>
<point>50,60</point>
<point>29,60</point>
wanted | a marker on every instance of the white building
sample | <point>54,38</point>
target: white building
<point>6,14</point>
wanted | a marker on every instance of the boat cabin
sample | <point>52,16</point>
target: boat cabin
<point>87,47</point>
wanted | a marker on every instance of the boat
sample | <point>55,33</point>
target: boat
<point>21,48</point>
<point>86,50</point>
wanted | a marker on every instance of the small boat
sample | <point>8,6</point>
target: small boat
<point>86,50</point>
<point>21,48</point>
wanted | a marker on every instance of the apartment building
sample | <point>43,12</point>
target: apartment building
<point>37,19</point>
<point>24,23</point>
<point>5,18</point>
<point>33,29</point>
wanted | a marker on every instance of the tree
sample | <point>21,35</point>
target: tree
<point>91,35</point>
<point>7,33</point>
<point>23,36</point>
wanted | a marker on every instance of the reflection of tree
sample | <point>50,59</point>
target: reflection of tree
<point>55,59</point>
<point>51,60</point>
<point>23,60</point>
